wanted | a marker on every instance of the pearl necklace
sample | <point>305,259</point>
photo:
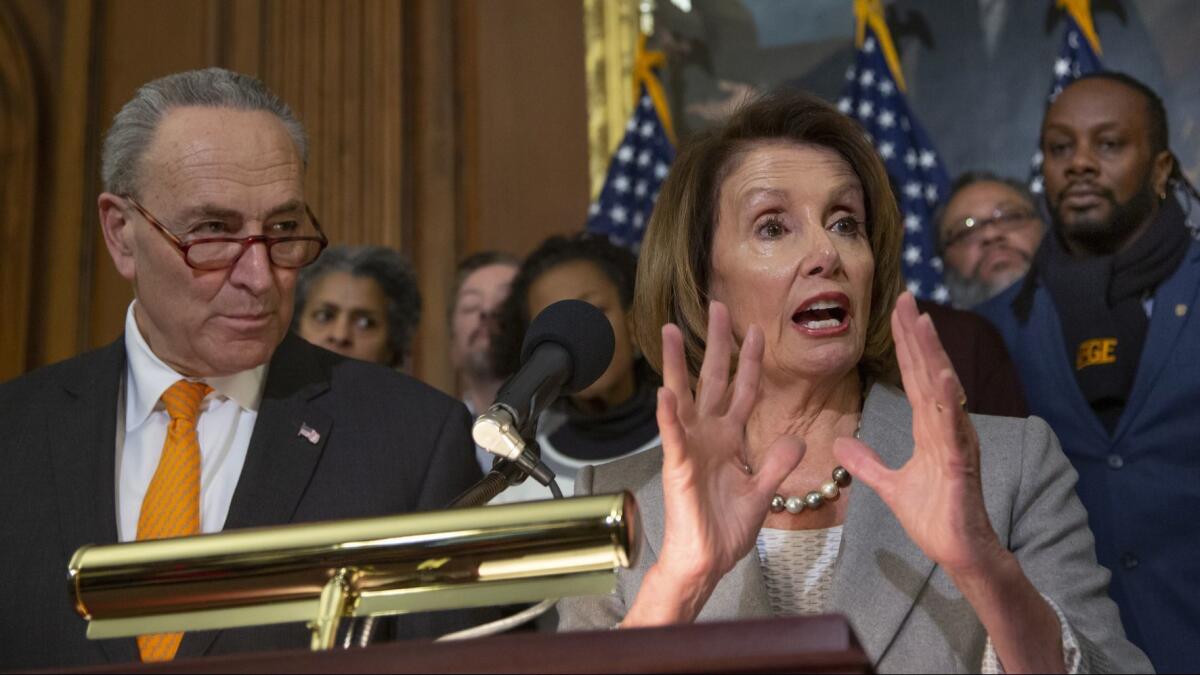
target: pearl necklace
<point>815,499</point>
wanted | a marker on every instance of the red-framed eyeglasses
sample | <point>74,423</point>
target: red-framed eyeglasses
<point>216,253</point>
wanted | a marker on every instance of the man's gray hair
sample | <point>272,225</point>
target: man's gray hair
<point>134,125</point>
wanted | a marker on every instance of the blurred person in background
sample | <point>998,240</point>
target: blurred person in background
<point>614,417</point>
<point>480,286</point>
<point>988,231</point>
<point>980,359</point>
<point>361,302</point>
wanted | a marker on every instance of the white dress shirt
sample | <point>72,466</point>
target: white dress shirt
<point>798,567</point>
<point>482,456</point>
<point>227,416</point>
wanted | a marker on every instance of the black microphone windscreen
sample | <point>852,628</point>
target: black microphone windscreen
<point>583,331</point>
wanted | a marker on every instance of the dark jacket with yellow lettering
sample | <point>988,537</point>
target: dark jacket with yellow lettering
<point>1140,484</point>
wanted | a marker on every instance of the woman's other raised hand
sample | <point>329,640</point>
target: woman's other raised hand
<point>938,494</point>
<point>938,498</point>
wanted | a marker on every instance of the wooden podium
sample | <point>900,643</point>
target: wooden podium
<point>798,644</point>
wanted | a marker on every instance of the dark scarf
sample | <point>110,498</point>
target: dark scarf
<point>1100,305</point>
<point>612,433</point>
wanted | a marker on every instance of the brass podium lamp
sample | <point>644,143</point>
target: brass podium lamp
<point>324,572</point>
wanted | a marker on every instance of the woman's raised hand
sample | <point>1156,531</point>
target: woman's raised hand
<point>937,495</point>
<point>713,507</point>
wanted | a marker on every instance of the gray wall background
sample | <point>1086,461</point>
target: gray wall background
<point>978,71</point>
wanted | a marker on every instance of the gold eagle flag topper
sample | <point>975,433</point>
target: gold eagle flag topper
<point>323,572</point>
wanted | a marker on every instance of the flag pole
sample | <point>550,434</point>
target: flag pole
<point>1081,12</point>
<point>870,12</point>
<point>644,63</point>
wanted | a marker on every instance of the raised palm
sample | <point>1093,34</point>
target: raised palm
<point>713,507</point>
<point>937,495</point>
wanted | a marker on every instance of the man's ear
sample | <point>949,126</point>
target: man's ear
<point>118,233</point>
<point>1164,164</point>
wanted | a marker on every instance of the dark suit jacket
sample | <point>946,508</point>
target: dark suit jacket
<point>981,360</point>
<point>388,444</point>
<point>1141,481</point>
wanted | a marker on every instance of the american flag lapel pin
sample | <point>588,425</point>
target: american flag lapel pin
<point>312,435</point>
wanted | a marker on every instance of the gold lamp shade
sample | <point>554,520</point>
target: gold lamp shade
<point>372,566</point>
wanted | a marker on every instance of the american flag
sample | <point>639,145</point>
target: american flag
<point>1076,58</point>
<point>873,97</point>
<point>635,173</point>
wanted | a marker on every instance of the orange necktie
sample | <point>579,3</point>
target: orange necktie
<point>171,507</point>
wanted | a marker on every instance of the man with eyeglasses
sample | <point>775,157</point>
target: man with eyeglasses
<point>206,415</point>
<point>988,231</point>
<point>1105,334</point>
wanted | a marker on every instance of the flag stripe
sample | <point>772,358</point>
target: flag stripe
<point>873,97</point>
<point>635,174</point>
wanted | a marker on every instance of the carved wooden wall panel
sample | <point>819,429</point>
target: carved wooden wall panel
<point>439,127</point>
<point>340,65</point>
<point>18,173</point>
<point>65,203</point>
<point>526,173</point>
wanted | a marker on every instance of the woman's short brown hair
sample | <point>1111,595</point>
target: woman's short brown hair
<point>676,254</point>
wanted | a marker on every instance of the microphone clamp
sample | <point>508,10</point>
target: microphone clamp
<point>496,431</point>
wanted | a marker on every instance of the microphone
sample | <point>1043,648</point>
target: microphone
<point>568,346</point>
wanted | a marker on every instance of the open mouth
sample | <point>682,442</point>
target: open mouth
<point>820,315</point>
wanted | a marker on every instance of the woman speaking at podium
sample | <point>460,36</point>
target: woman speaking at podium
<point>805,480</point>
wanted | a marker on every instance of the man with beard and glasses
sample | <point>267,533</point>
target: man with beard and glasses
<point>1106,338</point>
<point>481,286</point>
<point>988,231</point>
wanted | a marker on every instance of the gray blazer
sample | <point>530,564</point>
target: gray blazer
<point>905,610</point>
